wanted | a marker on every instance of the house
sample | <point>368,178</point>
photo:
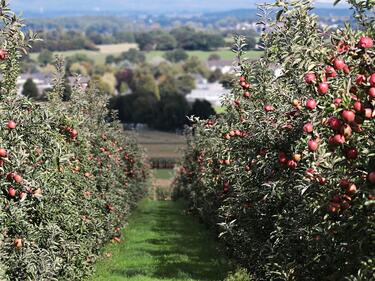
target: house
<point>212,92</point>
<point>225,66</point>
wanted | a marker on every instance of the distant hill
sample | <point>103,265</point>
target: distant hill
<point>223,8</point>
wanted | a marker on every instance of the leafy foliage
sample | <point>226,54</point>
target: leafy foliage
<point>69,179</point>
<point>288,171</point>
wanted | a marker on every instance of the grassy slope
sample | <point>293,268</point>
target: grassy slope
<point>115,49</point>
<point>163,243</point>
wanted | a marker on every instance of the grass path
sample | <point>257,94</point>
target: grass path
<point>162,242</point>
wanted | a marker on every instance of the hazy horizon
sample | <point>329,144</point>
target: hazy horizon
<point>159,6</point>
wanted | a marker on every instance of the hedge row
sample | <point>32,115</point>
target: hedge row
<point>68,178</point>
<point>287,175</point>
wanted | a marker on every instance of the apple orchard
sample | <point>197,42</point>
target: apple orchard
<point>68,178</point>
<point>287,174</point>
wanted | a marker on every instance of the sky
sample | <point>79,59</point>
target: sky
<point>139,5</point>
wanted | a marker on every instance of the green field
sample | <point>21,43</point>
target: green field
<point>164,174</point>
<point>105,50</point>
<point>162,242</point>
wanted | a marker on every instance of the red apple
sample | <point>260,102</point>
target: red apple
<point>339,64</point>
<point>330,72</point>
<point>358,106</point>
<point>344,183</point>
<point>371,80</point>
<point>365,42</point>
<point>268,108</point>
<point>351,189</point>
<point>17,178</point>
<point>352,153</point>
<point>334,123</point>
<point>360,79</point>
<point>311,104</point>
<point>282,158</point>
<point>292,164</point>
<point>312,145</point>
<point>3,54</point>
<point>3,153</point>
<point>12,124</point>
<point>310,78</point>
<point>367,113</point>
<point>247,94</point>
<point>339,139</point>
<point>308,127</point>
<point>371,177</point>
<point>337,101</point>
<point>348,116</point>
<point>371,92</point>
<point>12,192</point>
<point>323,88</point>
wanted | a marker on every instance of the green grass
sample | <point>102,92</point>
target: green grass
<point>99,57</point>
<point>164,174</point>
<point>162,242</point>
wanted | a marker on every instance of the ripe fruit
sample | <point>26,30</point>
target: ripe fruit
<point>282,158</point>
<point>351,189</point>
<point>365,42</point>
<point>337,101</point>
<point>371,177</point>
<point>310,78</point>
<point>312,145</point>
<point>367,112</point>
<point>339,64</point>
<point>12,192</point>
<point>3,54</point>
<point>358,106</point>
<point>18,243</point>
<point>292,164</point>
<point>346,69</point>
<point>339,139</point>
<point>308,127</point>
<point>12,124</point>
<point>74,134</point>
<point>247,94</point>
<point>348,116</point>
<point>360,79</point>
<point>371,92</point>
<point>330,72</point>
<point>333,207</point>
<point>344,183</point>
<point>371,80</point>
<point>334,123</point>
<point>323,88</point>
<point>268,108</point>
<point>17,178</point>
<point>311,104</point>
<point>3,153</point>
<point>242,79</point>
<point>352,153</point>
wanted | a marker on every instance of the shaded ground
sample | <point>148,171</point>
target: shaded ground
<point>163,243</point>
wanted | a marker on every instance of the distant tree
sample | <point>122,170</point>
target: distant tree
<point>193,65</point>
<point>176,55</point>
<point>202,109</point>
<point>30,89</point>
<point>189,39</point>
<point>155,40</point>
<point>78,68</point>
<point>45,57</point>
<point>227,80</point>
<point>142,81</point>
<point>110,59</point>
<point>215,75</point>
<point>172,112</point>
<point>133,56</point>
<point>185,84</point>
